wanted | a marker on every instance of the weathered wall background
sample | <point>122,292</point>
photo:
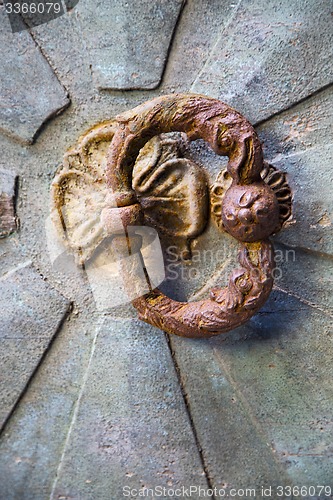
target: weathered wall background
<point>91,402</point>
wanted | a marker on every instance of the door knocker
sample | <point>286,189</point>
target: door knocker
<point>253,207</point>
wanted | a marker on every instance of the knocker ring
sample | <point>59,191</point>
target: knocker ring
<point>251,209</point>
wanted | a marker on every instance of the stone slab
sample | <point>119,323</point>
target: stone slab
<point>197,30</point>
<point>8,220</point>
<point>131,427</point>
<point>298,142</point>
<point>31,315</point>
<point>127,42</point>
<point>305,275</point>
<point>64,46</point>
<point>30,92</point>
<point>34,437</point>
<point>270,55</point>
<point>261,397</point>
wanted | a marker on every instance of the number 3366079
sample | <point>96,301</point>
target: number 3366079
<point>304,491</point>
<point>33,8</point>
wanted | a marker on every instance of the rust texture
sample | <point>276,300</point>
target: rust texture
<point>249,210</point>
<point>171,189</point>
<point>8,218</point>
<point>225,309</point>
<point>274,178</point>
<point>200,117</point>
<point>132,171</point>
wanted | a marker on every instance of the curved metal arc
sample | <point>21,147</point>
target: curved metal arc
<point>226,309</point>
<point>200,117</point>
<point>228,133</point>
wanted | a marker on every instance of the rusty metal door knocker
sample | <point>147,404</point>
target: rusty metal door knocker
<point>250,209</point>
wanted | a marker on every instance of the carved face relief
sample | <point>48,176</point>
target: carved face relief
<point>248,210</point>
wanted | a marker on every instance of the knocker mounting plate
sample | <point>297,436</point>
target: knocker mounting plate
<point>132,171</point>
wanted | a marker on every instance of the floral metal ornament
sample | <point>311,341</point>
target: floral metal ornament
<point>172,191</point>
<point>270,175</point>
<point>132,171</point>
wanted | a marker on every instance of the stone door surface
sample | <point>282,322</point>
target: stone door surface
<point>94,403</point>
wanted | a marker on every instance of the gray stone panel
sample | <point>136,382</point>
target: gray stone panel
<point>299,142</point>
<point>31,314</point>
<point>64,46</point>
<point>260,397</point>
<point>127,42</point>
<point>199,26</point>
<point>33,440</point>
<point>131,427</point>
<point>30,93</point>
<point>271,55</point>
<point>305,275</point>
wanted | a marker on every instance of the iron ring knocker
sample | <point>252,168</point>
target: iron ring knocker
<point>250,209</point>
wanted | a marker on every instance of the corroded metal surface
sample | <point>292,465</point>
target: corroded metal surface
<point>144,179</point>
<point>250,210</point>
<point>8,218</point>
<point>227,308</point>
<point>272,176</point>
<point>172,191</point>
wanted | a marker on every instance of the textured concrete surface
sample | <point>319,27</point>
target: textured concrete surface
<point>125,44</point>
<point>253,407</point>
<point>270,55</point>
<point>131,427</point>
<point>34,437</point>
<point>31,314</point>
<point>128,42</point>
<point>30,93</point>
<point>299,143</point>
<point>261,398</point>
<point>306,276</point>
<point>200,25</point>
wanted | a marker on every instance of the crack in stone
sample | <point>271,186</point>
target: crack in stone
<point>75,414</point>
<point>304,301</point>
<point>256,425</point>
